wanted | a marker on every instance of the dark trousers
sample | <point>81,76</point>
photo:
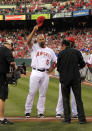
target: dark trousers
<point>76,87</point>
<point>3,87</point>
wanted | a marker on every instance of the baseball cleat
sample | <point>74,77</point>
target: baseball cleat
<point>27,115</point>
<point>40,116</point>
<point>58,116</point>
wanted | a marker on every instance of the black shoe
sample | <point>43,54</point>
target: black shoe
<point>58,116</point>
<point>66,121</point>
<point>6,122</point>
<point>27,115</point>
<point>83,122</point>
<point>40,115</point>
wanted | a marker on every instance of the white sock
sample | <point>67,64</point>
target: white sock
<point>1,119</point>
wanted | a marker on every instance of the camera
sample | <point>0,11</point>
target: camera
<point>15,74</point>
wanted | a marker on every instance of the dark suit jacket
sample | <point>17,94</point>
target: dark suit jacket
<point>68,64</point>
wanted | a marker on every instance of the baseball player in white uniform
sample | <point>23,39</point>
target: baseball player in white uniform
<point>41,67</point>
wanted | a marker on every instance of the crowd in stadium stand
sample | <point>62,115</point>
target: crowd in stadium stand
<point>25,1</point>
<point>18,39</point>
<point>83,39</point>
<point>35,6</point>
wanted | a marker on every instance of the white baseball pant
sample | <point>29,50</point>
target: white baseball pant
<point>39,80</point>
<point>59,108</point>
<point>83,72</point>
<point>89,75</point>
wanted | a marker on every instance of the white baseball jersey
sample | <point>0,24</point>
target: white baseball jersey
<point>42,57</point>
<point>89,61</point>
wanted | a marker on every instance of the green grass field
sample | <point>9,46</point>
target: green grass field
<point>15,106</point>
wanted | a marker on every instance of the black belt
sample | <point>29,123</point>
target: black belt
<point>42,70</point>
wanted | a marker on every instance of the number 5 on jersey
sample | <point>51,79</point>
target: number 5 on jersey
<point>47,62</point>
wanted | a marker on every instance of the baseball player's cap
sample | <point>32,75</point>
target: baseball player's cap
<point>40,20</point>
<point>71,39</point>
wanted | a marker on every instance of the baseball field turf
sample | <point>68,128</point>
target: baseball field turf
<point>15,106</point>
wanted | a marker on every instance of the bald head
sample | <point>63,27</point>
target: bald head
<point>41,40</point>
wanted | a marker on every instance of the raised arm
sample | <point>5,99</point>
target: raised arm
<point>29,38</point>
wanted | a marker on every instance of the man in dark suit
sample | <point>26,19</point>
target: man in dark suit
<point>68,64</point>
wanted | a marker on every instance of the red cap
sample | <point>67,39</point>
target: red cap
<point>71,39</point>
<point>40,20</point>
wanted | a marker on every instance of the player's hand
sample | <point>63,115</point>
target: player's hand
<point>35,28</point>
